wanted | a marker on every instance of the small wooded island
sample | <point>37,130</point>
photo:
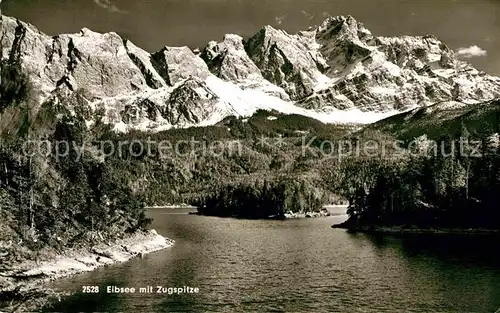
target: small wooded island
<point>264,199</point>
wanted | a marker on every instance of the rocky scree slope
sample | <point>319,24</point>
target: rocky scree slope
<point>336,72</point>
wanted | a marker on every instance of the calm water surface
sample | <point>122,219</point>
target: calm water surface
<point>297,266</point>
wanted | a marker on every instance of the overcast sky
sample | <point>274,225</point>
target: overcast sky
<point>473,25</point>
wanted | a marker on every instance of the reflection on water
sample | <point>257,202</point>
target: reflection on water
<point>299,265</point>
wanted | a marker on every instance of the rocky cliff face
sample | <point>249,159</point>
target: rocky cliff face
<point>335,72</point>
<point>288,61</point>
<point>392,73</point>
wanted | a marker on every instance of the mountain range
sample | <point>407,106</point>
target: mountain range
<point>337,72</point>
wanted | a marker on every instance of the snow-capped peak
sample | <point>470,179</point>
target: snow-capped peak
<point>335,72</point>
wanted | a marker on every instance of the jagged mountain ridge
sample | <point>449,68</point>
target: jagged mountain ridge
<point>336,72</point>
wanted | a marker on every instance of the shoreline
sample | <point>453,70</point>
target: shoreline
<point>286,216</point>
<point>324,212</point>
<point>171,206</point>
<point>24,282</point>
<point>400,230</point>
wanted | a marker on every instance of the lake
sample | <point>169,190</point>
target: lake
<point>300,265</point>
<point>152,24</point>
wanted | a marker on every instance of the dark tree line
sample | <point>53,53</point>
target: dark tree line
<point>263,199</point>
<point>50,199</point>
<point>442,191</point>
<point>65,198</point>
